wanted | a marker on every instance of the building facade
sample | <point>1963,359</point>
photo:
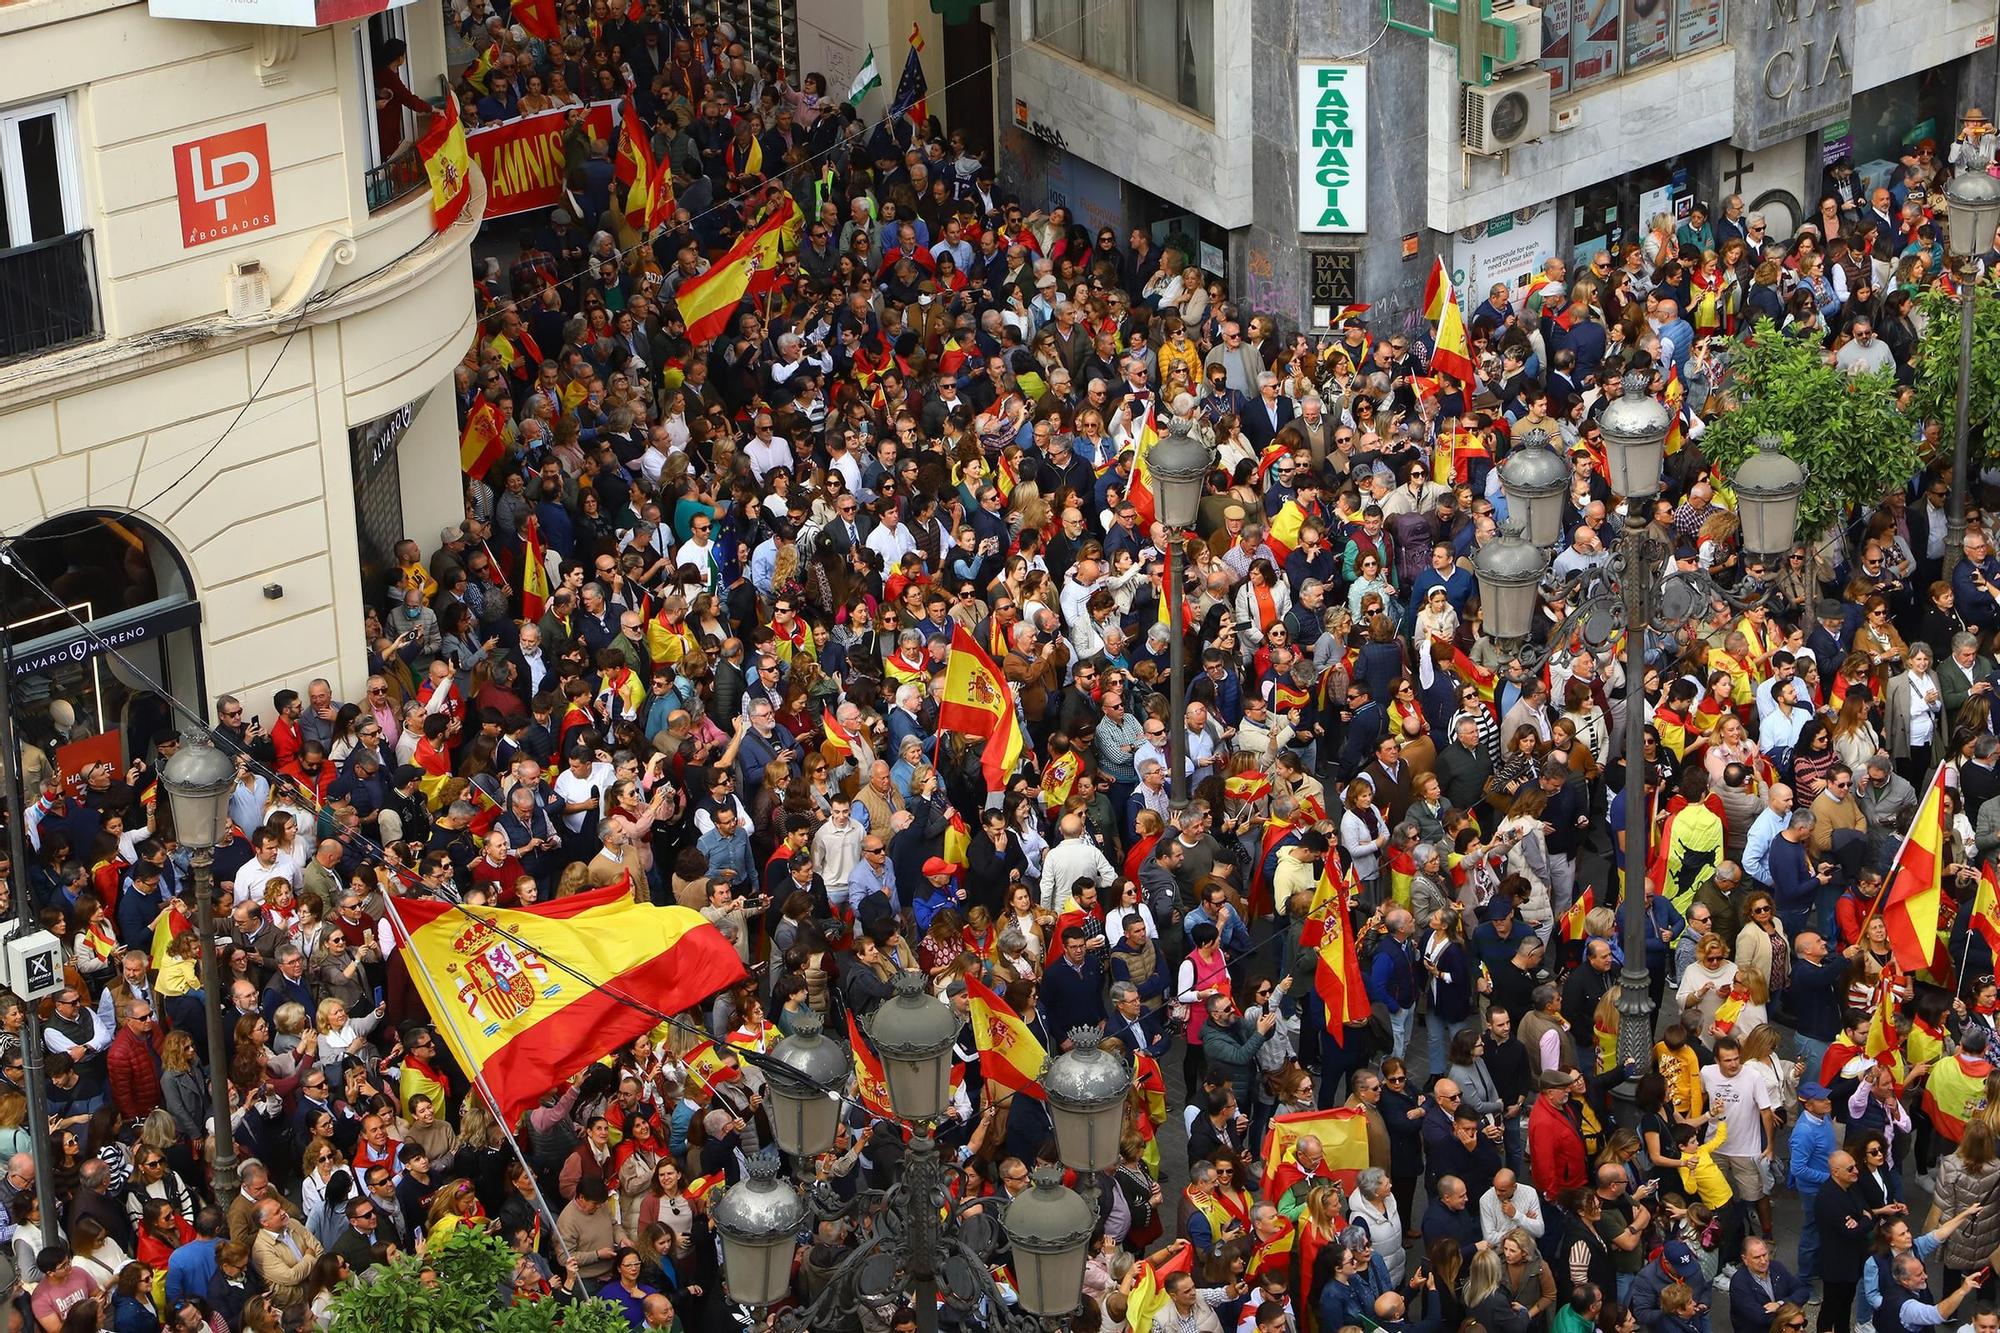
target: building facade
<point>228,330</point>
<point>1234,141</point>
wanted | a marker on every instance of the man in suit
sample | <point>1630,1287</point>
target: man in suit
<point>1762,1286</point>
<point>1268,413</point>
<point>1882,214</point>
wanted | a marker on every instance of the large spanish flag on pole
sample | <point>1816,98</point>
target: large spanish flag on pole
<point>707,301</point>
<point>1910,909</point>
<point>1984,915</point>
<point>525,997</point>
<point>1009,1054</point>
<point>483,440</point>
<point>1337,976</point>
<point>977,702</point>
<point>534,570</point>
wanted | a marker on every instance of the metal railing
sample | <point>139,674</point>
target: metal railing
<point>396,179</point>
<point>48,296</point>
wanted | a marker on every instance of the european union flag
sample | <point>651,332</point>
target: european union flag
<point>911,89</point>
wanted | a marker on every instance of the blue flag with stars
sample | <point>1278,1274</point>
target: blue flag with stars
<point>911,89</point>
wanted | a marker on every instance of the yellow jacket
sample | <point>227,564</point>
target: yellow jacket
<point>1682,1071</point>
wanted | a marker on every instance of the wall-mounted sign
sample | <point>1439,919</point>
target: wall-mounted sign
<point>1794,73</point>
<point>283,13</point>
<point>224,183</point>
<point>74,647</point>
<point>1333,148</point>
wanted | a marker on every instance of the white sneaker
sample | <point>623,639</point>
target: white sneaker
<point>1721,1282</point>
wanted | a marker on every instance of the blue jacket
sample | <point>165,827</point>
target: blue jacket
<point>1793,883</point>
<point>1813,997</point>
<point>189,1269</point>
<point>1645,1299</point>
<point>1812,1143</point>
<point>1074,995</point>
<point>1353,1302</point>
<point>1392,975</point>
<point>1746,1295</point>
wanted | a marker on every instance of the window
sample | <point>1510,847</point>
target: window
<point>1165,46</point>
<point>1596,40</point>
<point>389,130</point>
<point>48,293</point>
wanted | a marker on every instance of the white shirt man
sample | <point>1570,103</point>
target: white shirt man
<point>573,788</point>
<point>1507,1205</point>
<point>766,451</point>
<point>268,864</point>
<point>891,540</point>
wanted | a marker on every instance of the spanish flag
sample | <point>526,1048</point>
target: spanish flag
<point>1572,920</point>
<point>525,997</point>
<point>1676,397</point>
<point>697,1189</point>
<point>977,702</point>
<point>838,742</point>
<point>1910,910</point>
<point>1402,868</point>
<point>1885,1043</point>
<point>1252,784</point>
<point>1343,1141</point>
<point>1337,975</point>
<point>1149,1286</point>
<point>1955,1092</point>
<point>958,842</point>
<point>1276,1251</point>
<point>704,1063</point>
<point>483,440</point>
<point>1453,355</point>
<point>538,19</point>
<point>448,164</point>
<point>640,174</point>
<point>1984,914</point>
<point>534,571</point>
<point>1009,1054</point>
<point>1059,779</point>
<point>170,924</point>
<point>1145,433</point>
<point>707,301</point>
<point>871,1085</point>
<point>1478,677</point>
<point>1437,292</point>
<point>1283,533</point>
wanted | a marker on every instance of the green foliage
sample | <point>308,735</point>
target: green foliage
<point>1844,428</point>
<point>469,1267</point>
<point>1936,361</point>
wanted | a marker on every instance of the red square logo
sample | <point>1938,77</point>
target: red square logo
<point>225,185</point>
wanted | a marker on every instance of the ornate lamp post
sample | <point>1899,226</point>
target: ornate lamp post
<point>1627,594</point>
<point>922,1242</point>
<point>198,780</point>
<point>1177,462</point>
<point>1974,198</point>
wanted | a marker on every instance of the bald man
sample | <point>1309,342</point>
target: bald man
<point>1846,1228</point>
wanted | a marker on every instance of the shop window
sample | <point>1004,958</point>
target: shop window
<point>1164,46</point>
<point>97,694</point>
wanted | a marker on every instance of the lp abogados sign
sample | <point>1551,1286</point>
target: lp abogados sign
<point>522,159</point>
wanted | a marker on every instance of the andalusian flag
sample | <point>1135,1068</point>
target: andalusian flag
<point>871,1085</point>
<point>1911,909</point>
<point>869,76</point>
<point>448,164</point>
<point>525,997</point>
<point>1984,914</point>
<point>483,440</point>
<point>1149,1286</point>
<point>1453,354</point>
<point>1438,292</point>
<point>534,571</point>
<point>1572,920</point>
<point>977,702</point>
<point>1009,1054</point>
<point>1343,1141</point>
<point>1955,1092</point>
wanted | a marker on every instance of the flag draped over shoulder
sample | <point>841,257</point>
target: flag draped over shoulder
<point>1910,911</point>
<point>1343,1141</point>
<point>1009,1054</point>
<point>525,997</point>
<point>1955,1092</point>
<point>977,702</point>
<point>171,923</point>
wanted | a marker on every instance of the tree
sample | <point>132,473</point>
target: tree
<point>470,1268</point>
<point>1855,445</point>
<point>1936,363</point>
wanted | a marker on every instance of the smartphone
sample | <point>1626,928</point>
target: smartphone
<point>256,719</point>
<point>378,997</point>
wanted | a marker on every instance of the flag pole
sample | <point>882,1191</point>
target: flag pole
<point>478,1077</point>
<point>1889,880</point>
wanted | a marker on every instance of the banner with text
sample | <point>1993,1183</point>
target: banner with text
<point>1333,147</point>
<point>522,159</point>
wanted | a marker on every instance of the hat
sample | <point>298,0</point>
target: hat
<point>407,773</point>
<point>1676,1256</point>
<point>1046,280</point>
<point>1686,551</point>
<point>561,217</point>
<point>1233,511</point>
<point>1555,1078</point>
<point>937,865</point>
<point>454,533</point>
<point>1813,1092</point>
<point>955,989</point>
<point>1498,906</point>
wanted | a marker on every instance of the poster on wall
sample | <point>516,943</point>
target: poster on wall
<point>1555,46</point>
<point>1653,203</point>
<point>1505,249</point>
<point>1333,148</point>
<point>1697,25</point>
<point>1593,42</point>
<point>1648,38</point>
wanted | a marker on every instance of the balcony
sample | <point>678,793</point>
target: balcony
<point>48,296</point>
<point>395,180</point>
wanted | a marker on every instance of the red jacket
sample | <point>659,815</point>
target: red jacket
<point>1555,1150</point>
<point>133,1064</point>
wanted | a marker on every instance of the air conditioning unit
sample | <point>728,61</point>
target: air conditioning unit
<point>249,289</point>
<point>1526,21</point>
<point>1507,112</point>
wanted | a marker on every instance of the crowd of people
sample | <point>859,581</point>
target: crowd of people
<point>758,553</point>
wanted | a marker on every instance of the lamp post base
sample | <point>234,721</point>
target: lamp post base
<point>1635,1023</point>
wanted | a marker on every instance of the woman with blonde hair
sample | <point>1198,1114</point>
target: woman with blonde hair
<point>1487,1298</point>
<point>1528,1279</point>
<point>1528,856</point>
<point>341,1034</point>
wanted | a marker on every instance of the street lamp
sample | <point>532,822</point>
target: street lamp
<point>803,1114</point>
<point>1177,465</point>
<point>1086,1087</point>
<point>1974,198</point>
<point>199,779</point>
<point>1535,479</point>
<point>1626,594</point>
<point>922,1241</point>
